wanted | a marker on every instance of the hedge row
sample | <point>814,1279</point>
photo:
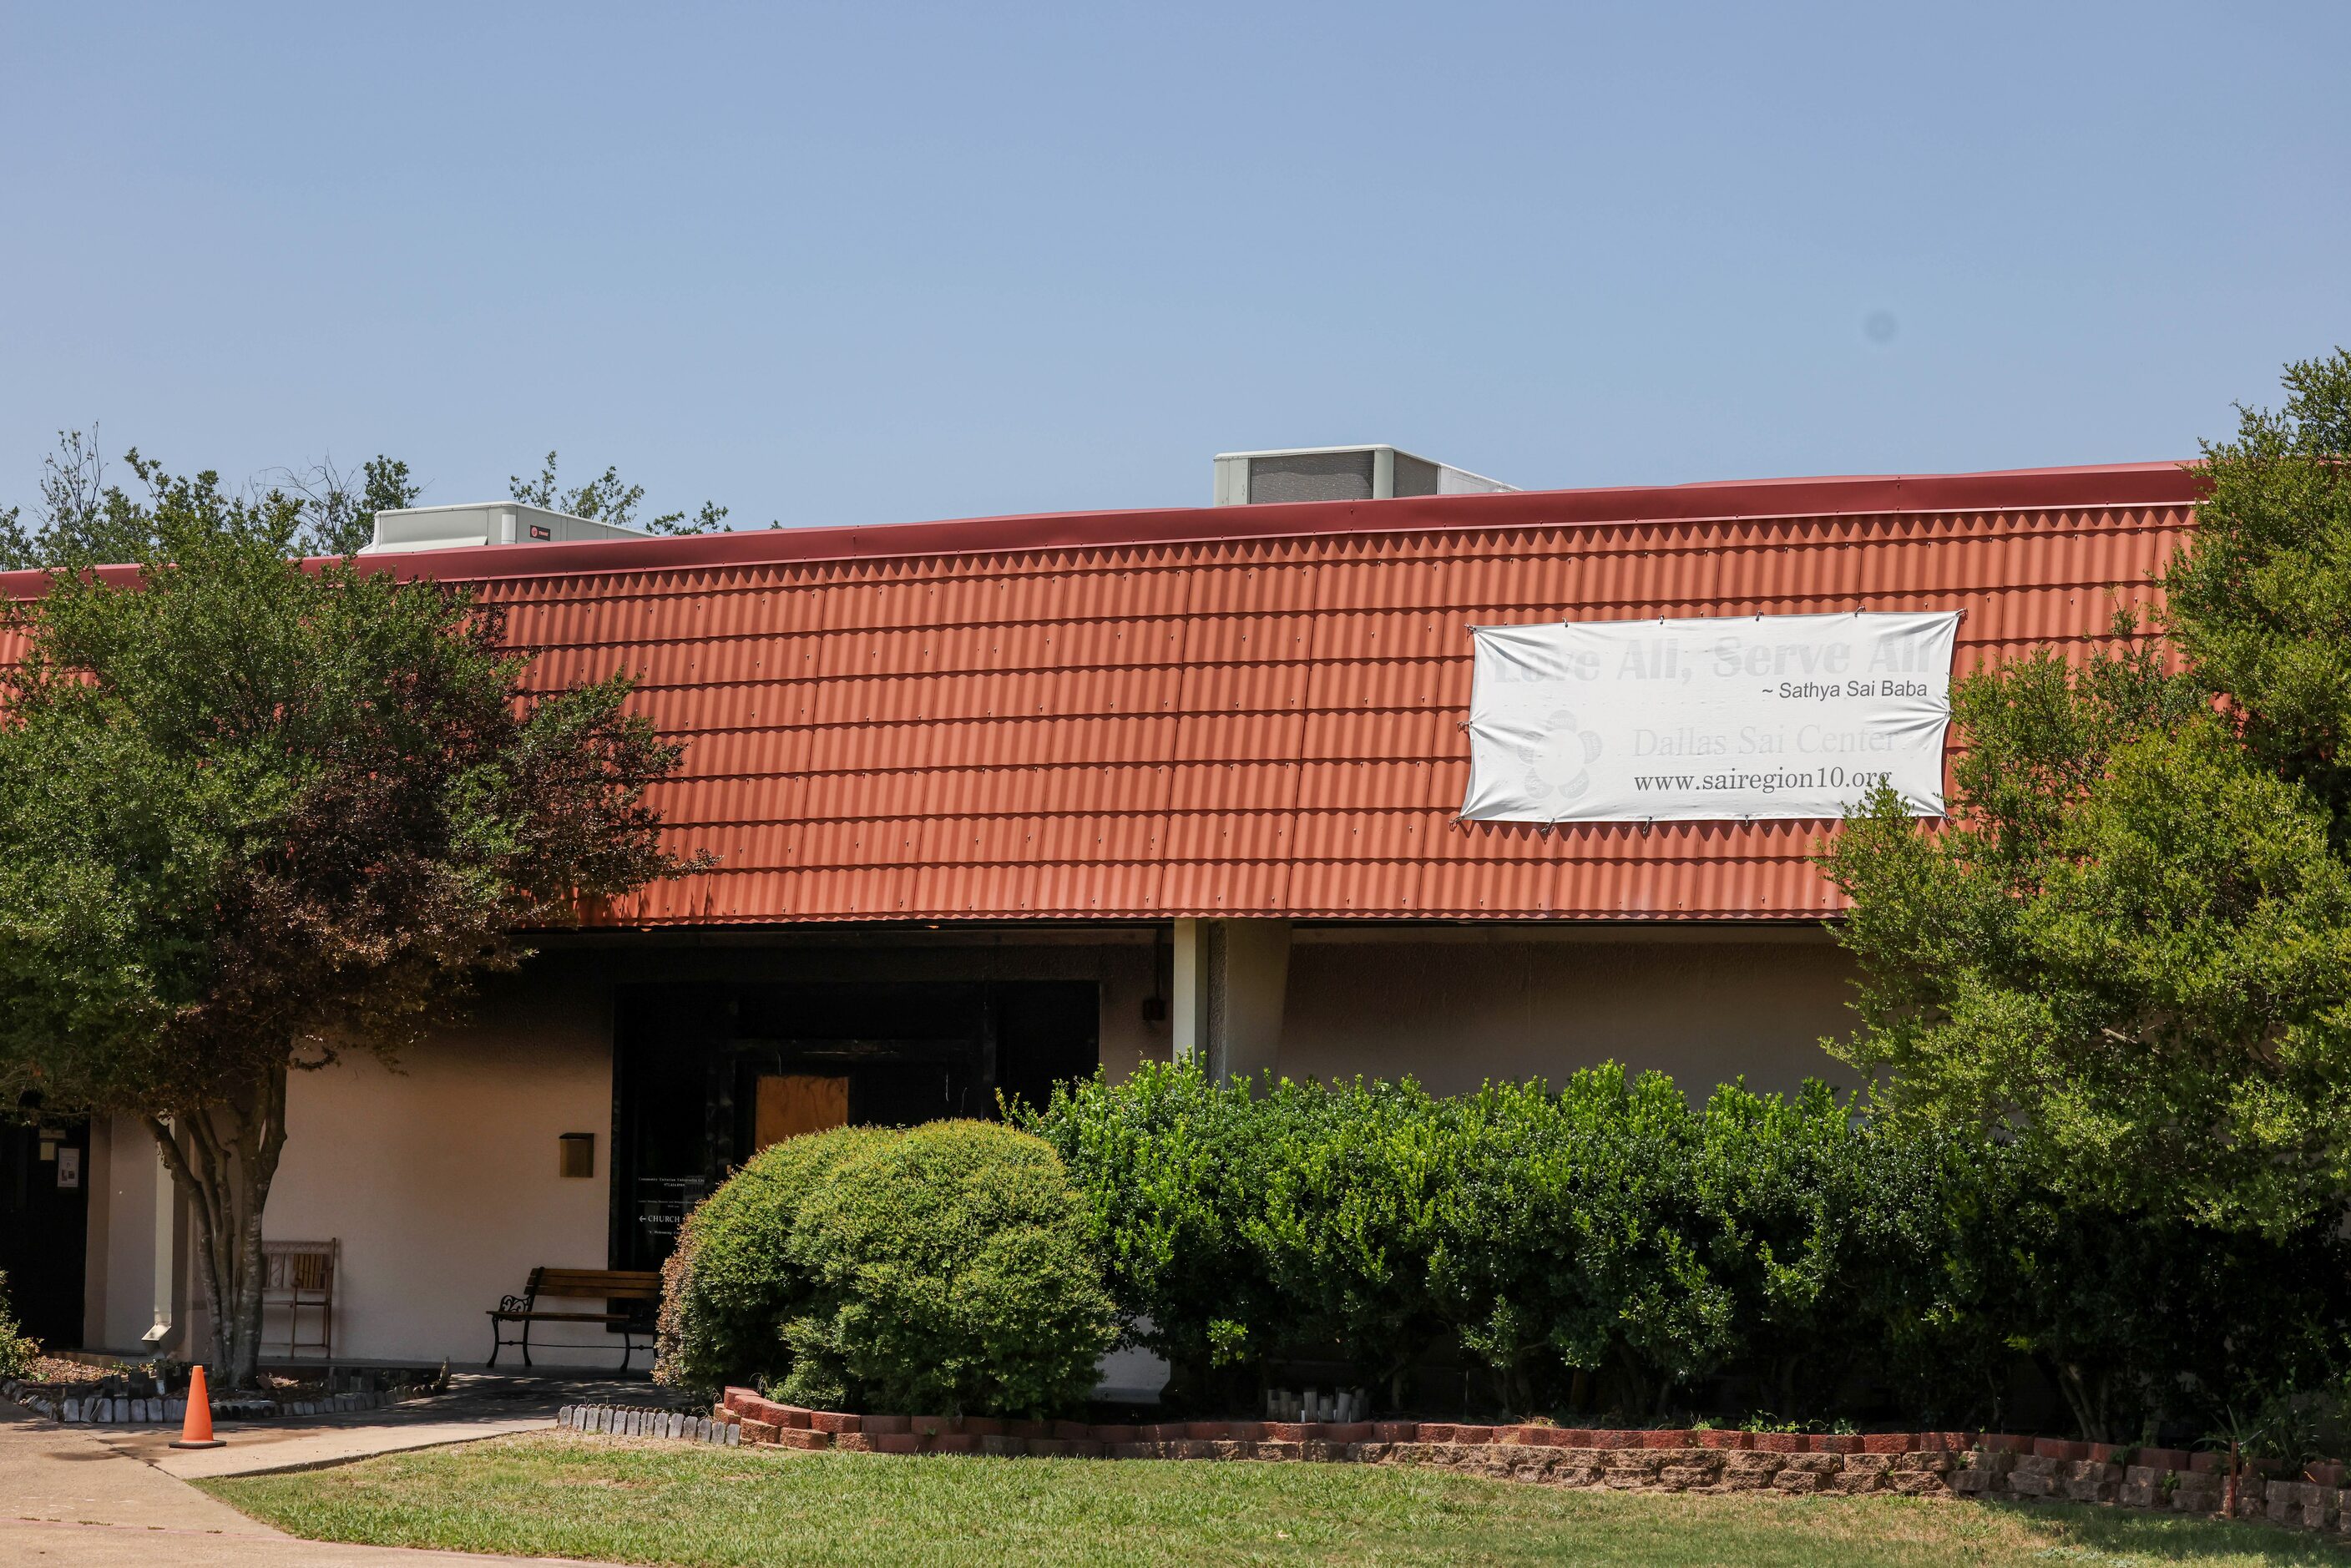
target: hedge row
<point>1614,1247</point>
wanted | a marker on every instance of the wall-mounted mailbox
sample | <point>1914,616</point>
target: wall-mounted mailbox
<point>576,1155</point>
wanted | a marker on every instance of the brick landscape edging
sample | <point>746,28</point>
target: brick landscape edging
<point>1993,1465</point>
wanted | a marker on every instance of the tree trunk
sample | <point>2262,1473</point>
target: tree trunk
<point>2088,1401</point>
<point>1784,1383</point>
<point>222,1159</point>
<point>1635,1391</point>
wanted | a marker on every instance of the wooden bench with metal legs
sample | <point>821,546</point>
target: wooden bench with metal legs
<point>639,1287</point>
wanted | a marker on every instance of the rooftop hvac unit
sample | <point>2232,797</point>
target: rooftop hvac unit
<point>486,523</point>
<point>1340,474</point>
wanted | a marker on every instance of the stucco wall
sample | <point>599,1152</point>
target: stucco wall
<point>439,1178</point>
<point>119,1303</point>
<point>1453,1008</point>
<point>1128,1039</point>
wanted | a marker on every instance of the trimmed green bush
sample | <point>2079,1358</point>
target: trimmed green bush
<point>950,1274</point>
<point>1576,1239</point>
<point>1166,1164</point>
<point>731,1285</point>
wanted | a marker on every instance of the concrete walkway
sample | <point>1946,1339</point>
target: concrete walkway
<point>73,1498</point>
<point>476,1405</point>
<point>260,1450</point>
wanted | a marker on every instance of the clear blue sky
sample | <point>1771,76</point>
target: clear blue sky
<point>871,262</point>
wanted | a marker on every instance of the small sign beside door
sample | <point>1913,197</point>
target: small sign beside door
<point>68,1166</point>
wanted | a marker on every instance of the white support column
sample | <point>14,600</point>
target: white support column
<point>1187,1016</point>
<point>163,1335</point>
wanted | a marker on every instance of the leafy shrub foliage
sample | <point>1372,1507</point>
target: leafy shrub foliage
<point>944,1270</point>
<point>950,1272</point>
<point>1610,1246</point>
<point>17,1348</point>
<point>1606,1247</point>
<point>730,1286</point>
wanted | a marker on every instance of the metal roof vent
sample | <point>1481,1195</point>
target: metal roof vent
<point>486,523</point>
<point>1340,474</point>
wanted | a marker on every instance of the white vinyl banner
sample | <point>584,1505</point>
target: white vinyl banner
<point>1768,715</point>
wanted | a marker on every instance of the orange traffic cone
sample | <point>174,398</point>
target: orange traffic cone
<point>197,1427</point>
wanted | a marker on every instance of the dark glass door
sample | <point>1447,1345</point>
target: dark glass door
<point>44,1227</point>
<point>708,1074</point>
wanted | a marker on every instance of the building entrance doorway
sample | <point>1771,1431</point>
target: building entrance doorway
<point>44,1226</point>
<point>787,1105</point>
<point>707,1075</point>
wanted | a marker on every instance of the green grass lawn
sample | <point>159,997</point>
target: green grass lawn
<point>566,1496</point>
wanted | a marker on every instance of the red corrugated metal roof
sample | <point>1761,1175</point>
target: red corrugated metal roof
<point>1245,710</point>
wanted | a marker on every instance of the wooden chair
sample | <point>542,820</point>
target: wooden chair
<point>299,1276</point>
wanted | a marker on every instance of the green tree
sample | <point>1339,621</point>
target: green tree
<point>2129,949</point>
<point>83,520</point>
<point>255,814</point>
<point>339,506</point>
<point>608,499</point>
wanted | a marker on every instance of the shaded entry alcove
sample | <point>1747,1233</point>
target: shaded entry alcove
<point>45,1225</point>
<point>705,1076</point>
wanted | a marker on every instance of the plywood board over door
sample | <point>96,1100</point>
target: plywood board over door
<point>790,1103</point>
